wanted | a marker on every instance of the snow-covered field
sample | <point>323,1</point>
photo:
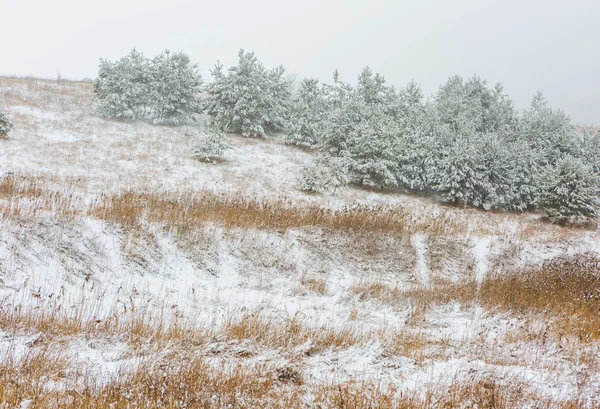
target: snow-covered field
<point>329,306</point>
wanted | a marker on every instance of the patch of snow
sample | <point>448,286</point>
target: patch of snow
<point>419,242</point>
<point>481,250</point>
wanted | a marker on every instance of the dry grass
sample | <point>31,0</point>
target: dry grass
<point>15,187</point>
<point>184,211</point>
<point>166,385</point>
<point>563,292</point>
<point>188,379</point>
<point>46,379</point>
<point>290,333</point>
<point>139,328</point>
<point>315,282</point>
<point>567,290</point>
<point>190,210</point>
<point>194,383</point>
<point>56,322</point>
<point>38,93</point>
<point>378,291</point>
<point>22,378</point>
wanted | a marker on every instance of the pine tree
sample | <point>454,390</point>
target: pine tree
<point>417,147</point>
<point>590,147</point>
<point>417,157</point>
<point>371,88</point>
<point>459,176</point>
<point>410,109</point>
<point>361,128</point>
<point>526,170</point>
<point>367,138</point>
<point>211,145</point>
<point>166,89</point>
<point>123,89</point>
<point>249,99</point>
<point>338,93</point>
<point>327,173</point>
<point>499,182</point>
<point>549,131</point>
<point>569,191</point>
<point>460,108</point>
<point>307,115</point>
<point>5,125</point>
<point>176,88</point>
<point>469,107</point>
<point>500,115</point>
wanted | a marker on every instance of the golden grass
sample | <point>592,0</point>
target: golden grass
<point>190,379</point>
<point>184,211</point>
<point>26,377</point>
<point>139,327</point>
<point>56,322</point>
<point>194,383</point>
<point>563,292</point>
<point>567,290</point>
<point>291,332</point>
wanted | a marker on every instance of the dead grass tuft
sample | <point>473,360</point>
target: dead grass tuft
<point>566,289</point>
<point>564,292</point>
<point>290,333</point>
<point>25,377</point>
<point>377,291</point>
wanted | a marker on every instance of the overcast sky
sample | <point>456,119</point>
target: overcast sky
<point>525,44</point>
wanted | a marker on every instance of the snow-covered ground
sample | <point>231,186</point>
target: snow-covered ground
<point>215,274</point>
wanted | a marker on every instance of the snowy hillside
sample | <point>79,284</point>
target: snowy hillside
<point>121,253</point>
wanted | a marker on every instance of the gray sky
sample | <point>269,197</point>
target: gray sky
<point>527,45</point>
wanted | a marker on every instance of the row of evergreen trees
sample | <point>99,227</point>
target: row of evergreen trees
<point>466,144</point>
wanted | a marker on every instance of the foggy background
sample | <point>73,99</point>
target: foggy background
<point>526,45</point>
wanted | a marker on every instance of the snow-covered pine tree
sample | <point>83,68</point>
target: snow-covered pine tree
<point>459,176</point>
<point>211,145</point>
<point>123,88</point>
<point>327,173</point>
<point>549,131</point>
<point>280,92</point>
<point>526,170</point>
<point>307,114</point>
<point>248,99</point>
<point>500,115</point>
<point>410,108</point>
<point>569,191</point>
<point>361,128</point>
<point>371,87</point>
<point>338,93</point>
<point>372,90</point>
<point>367,138</point>
<point>417,157</point>
<point>418,146</point>
<point>481,170</point>
<point>499,180</point>
<point>590,147</point>
<point>469,107</point>
<point>176,88</point>
<point>5,125</point>
<point>458,105</point>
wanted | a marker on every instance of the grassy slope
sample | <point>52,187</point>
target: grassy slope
<point>120,254</point>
